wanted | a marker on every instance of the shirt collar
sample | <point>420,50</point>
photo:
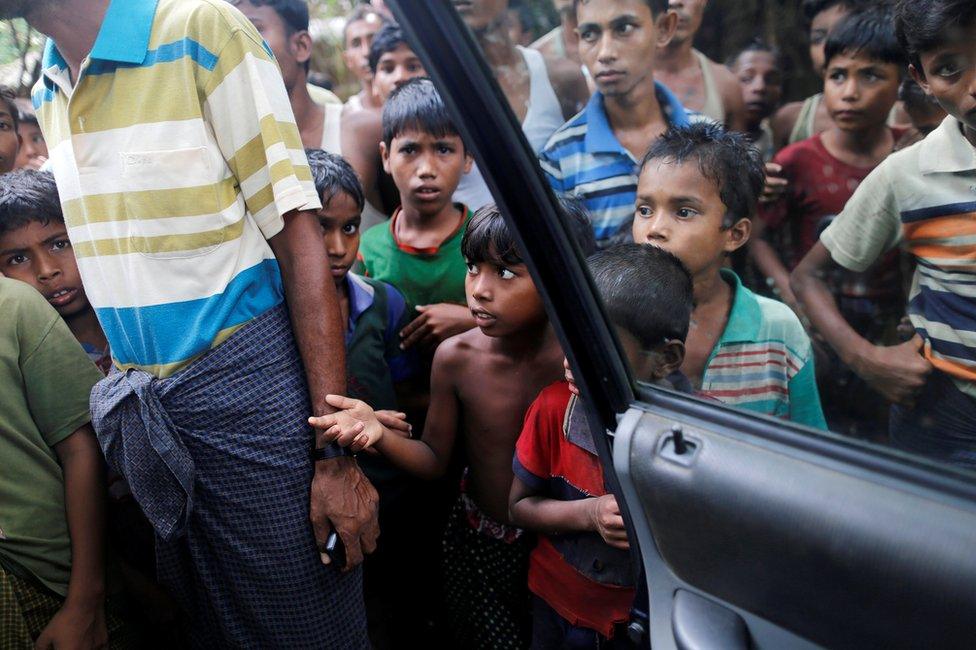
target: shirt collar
<point>599,134</point>
<point>946,150</point>
<point>744,318</point>
<point>123,36</point>
<point>361,296</point>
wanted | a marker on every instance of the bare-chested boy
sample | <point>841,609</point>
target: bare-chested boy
<point>482,383</point>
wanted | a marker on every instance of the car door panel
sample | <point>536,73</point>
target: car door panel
<point>830,551</point>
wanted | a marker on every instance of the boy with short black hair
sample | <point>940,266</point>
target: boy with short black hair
<point>798,121</point>
<point>696,196</point>
<point>482,382</point>
<point>920,199</point>
<point>580,572</point>
<point>419,249</point>
<point>34,248</point>
<point>392,61</point>
<point>863,71</point>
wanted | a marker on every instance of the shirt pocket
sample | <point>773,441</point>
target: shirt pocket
<point>172,203</point>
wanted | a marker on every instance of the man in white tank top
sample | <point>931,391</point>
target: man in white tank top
<point>699,83</point>
<point>543,92</point>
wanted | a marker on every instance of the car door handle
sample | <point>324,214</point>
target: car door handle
<point>700,624</point>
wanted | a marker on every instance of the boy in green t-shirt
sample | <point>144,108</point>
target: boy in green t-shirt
<point>52,565</point>
<point>419,249</point>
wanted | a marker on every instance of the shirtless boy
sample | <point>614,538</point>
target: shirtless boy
<point>700,84</point>
<point>482,383</point>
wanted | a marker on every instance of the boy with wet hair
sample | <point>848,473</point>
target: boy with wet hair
<point>759,71</point>
<point>580,572</point>
<point>921,200</point>
<point>418,250</point>
<point>696,196</point>
<point>481,385</point>
<point>864,66</point>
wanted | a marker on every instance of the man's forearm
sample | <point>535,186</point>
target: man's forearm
<point>313,306</point>
<point>84,495</point>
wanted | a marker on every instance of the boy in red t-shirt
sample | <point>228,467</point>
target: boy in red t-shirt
<point>864,65</point>
<point>580,571</point>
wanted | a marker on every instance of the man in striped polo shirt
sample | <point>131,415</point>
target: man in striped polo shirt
<point>922,199</point>
<point>595,156</point>
<point>191,210</point>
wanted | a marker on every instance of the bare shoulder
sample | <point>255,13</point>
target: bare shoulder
<point>362,122</point>
<point>783,121</point>
<point>725,79</point>
<point>567,80</point>
<point>460,349</point>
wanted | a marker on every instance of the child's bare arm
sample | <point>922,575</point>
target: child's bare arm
<point>529,510</point>
<point>897,372</point>
<point>81,620</point>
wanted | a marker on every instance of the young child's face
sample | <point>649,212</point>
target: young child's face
<point>680,210</point>
<point>950,74</point>
<point>820,28</point>
<point>340,221</point>
<point>761,81</point>
<point>859,91</point>
<point>9,140</point>
<point>502,297</point>
<point>426,168</point>
<point>41,255</point>
<point>619,41</point>
<point>33,148</point>
<point>395,69</point>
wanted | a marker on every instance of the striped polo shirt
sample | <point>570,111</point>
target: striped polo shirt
<point>176,155</point>
<point>584,158</point>
<point>923,199</point>
<point>763,361</point>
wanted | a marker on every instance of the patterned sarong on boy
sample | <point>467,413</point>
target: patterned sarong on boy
<point>485,579</point>
<point>218,457</point>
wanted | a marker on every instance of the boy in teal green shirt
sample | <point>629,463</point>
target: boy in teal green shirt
<point>419,249</point>
<point>696,195</point>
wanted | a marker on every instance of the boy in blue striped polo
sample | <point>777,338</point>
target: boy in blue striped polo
<point>595,156</point>
<point>698,190</point>
<point>922,199</point>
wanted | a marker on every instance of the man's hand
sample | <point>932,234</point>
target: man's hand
<point>435,324</point>
<point>75,627</point>
<point>342,497</point>
<point>606,519</point>
<point>775,184</point>
<point>897,372</point>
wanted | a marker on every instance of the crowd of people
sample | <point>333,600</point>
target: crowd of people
<point>275,372</point>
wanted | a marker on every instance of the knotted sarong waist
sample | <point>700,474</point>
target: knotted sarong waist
<point>138,416</point>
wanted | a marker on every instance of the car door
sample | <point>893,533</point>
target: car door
<point>747,531</point>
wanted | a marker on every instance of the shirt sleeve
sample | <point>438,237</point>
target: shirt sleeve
<point>868,227</point>
<point>805,407</point>
<point>403,363</point>
<point>58,376</point>
<point>247,107</point>
<point>533,451</point>
<point>553,171</point>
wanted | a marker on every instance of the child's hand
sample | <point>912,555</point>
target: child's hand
<point>81,626</point>
<point>897,372</point>
<point>606,519</point>
<point>354,425</point>
<point>775,184</point>
<point>435,324</point>
<point>396,422</point>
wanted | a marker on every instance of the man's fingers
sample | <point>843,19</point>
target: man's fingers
<point>354,551</point>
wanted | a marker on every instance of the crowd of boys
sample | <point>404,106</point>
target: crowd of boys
<point>219,283</point>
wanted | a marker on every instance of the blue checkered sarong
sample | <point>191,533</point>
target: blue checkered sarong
<point>218,458</point>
